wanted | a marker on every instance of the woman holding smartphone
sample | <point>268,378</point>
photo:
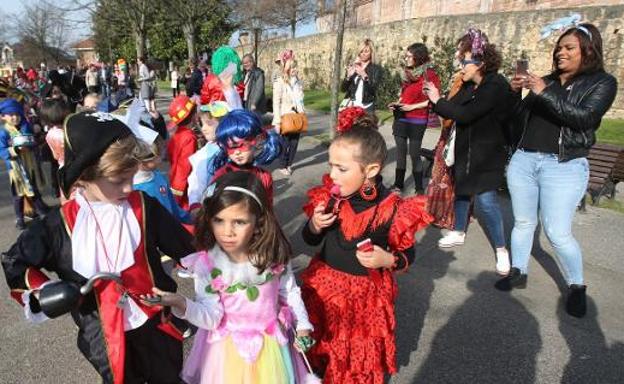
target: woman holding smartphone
<point>362,78</point>
<point>411,112</point>
<point>549,171</point>
<point>478,109</point>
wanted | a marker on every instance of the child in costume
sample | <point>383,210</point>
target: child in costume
<point>247,303</point>
<point>209,116</point>
<point>200,178</point>
<point>225,62</point>
<point>182,145</point>
<point>16,141</point>
<point>105,228</point>
<point>244,145</point>
<point>149,180</point>
<point>349,287</point>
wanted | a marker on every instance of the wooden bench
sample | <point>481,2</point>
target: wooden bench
<point>606,169</point>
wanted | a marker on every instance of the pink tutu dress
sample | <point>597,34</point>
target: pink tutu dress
<point>245,322</point>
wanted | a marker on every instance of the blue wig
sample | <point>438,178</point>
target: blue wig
<point>10,106</point>
<point>243,124</point>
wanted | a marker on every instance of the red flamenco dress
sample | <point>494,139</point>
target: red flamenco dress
<point>350,306</point>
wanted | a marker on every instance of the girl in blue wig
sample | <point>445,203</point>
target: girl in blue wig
<point>244,146</point>
<point>16,143</point>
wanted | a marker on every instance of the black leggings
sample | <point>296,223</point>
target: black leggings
<point>291,141</point>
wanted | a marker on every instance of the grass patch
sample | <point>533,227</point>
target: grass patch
<point>324,138</point>
<point>612,204</point>
<point>318,100</point>
<point>611,131</point>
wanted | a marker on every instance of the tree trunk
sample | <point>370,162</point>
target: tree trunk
<point>337,72</point>
<point>189,35</point>
<point>256,43</point>
<point>293,27</point>
<point>140,43</point>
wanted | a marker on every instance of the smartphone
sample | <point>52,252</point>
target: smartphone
<point>522,67</point>
<point>365,245</point>
<point>153,299</point>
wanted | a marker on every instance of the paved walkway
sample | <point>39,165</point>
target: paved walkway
<point>453,327</point>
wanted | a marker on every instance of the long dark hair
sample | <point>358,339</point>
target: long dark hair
<point>268,245</point>
<point>591,49</point>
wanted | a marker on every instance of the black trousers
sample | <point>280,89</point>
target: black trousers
<point>152,356</point>
<point>290,149</point>
<point>408,138</point>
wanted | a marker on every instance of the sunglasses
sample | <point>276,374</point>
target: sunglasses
<point>466,62</point>
<point>242,145</point>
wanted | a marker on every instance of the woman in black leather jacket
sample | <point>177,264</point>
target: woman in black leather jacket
<point>362,79</point>
<point>557,124</point>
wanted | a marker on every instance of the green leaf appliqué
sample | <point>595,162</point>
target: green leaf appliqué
<point>252,293</point>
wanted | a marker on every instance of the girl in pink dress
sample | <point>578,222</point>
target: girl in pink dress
<point>247,304</point>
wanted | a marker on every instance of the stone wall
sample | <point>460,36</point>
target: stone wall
<point>512,32</point>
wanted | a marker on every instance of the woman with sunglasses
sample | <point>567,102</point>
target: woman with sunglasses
<point>557,122</point>
<point>478,110</point>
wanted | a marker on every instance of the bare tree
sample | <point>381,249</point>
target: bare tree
<point>44,29</point>
<point>256,17</point>
<point>293,12</point>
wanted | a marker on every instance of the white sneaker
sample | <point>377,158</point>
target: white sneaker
<point>452,239</point>
<point>503,264</point>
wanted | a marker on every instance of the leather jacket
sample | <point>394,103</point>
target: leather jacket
<point>579,115</point>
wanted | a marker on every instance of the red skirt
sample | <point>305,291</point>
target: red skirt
<point>354,324</point>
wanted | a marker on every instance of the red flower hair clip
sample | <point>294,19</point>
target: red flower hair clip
<point>347,117</point>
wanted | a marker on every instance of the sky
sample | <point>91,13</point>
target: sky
<point>83,31</point>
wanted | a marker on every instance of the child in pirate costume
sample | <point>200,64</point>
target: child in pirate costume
<point>367,233</point>
<point>105,228</point>
<point>16,143</point>
<point>181,146</point>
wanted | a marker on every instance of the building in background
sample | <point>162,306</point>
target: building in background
<point>371,12</point>
<point>85,52</point>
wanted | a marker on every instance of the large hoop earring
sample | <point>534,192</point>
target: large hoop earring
<point>368,191</point>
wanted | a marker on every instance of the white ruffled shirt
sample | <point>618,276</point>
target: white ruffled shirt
<point>107,249</point>
<point>206,311</point>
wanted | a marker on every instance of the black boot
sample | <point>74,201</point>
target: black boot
<point>418,183</point>
<point>18,206</point>
<point>515,279</point>
<point>576,303</point>
<point>399,179</point>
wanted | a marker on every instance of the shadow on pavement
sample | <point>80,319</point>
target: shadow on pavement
<point>491,338</point>
<point>415,290</point>
<point>592,360</point>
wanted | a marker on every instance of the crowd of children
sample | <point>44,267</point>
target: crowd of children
<point>214,216</point>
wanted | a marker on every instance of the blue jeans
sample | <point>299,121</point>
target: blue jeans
<point>539,180</point>
<point>487,203</point>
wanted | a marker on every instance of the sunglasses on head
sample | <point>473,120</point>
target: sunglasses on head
<point>466,62</point>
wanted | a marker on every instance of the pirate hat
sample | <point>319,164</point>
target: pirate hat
<point>87,136</point>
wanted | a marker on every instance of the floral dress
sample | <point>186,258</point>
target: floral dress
<point>246,322</point>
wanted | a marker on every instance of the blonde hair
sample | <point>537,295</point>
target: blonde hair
<point>367,43</point>
<point>288,66</point>
<point>121,156</point>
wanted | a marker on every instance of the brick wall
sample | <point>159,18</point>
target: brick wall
<point>396,10</point>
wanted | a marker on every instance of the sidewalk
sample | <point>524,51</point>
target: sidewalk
<point>454,327</point>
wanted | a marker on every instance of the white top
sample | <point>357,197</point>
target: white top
<point>199,179</point>
<point>174,79</point>
<point>206,311</point>
<point>287,97</point>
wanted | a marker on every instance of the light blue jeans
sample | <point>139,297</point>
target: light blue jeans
<point>539,181</point>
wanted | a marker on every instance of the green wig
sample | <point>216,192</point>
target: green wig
<point>222,57</point>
